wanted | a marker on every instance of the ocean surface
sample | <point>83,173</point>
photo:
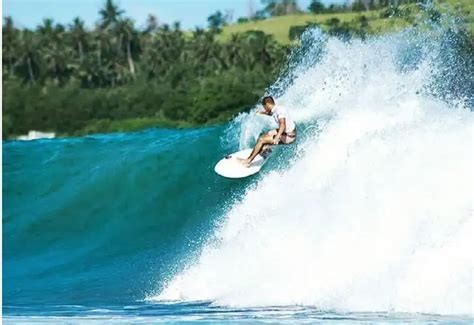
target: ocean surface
<point>366,218</point>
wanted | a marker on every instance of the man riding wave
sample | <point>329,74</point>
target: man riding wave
<point>285,134</point>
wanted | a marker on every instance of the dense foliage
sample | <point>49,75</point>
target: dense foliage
<point>70,79</point>
<point>318,7</point>
<point>75,80</point>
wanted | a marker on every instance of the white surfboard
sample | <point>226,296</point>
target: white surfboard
<point>231,168</point>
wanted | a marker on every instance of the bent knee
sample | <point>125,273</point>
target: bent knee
<point>265,137</point>
<point>270,133</point>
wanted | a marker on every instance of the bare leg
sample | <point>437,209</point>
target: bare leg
<point>258,147</point>
<point>263,140</point>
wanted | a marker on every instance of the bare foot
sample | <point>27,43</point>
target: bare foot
<point>244,162</point>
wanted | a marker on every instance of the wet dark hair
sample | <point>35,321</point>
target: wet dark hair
<point>268,100</point>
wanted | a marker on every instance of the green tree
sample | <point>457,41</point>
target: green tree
<point>109,15</point>
<point>359,5</point>
<point>151,24</point>
<point>216,20</point>
<point>280,7</point>
<point>316,7</point>
<point>10,45</point>
<point>28,56</point>
<point>79,36</point>
<point>128,38</point>
<point>54,51</point>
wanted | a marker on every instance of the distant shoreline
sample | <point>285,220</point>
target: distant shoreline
<point>106,126</point>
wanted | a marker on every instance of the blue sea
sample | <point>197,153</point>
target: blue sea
<point>366,218</point>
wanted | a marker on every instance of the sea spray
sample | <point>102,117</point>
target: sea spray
<point>376,213</point>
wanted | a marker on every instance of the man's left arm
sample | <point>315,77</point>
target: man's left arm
<point>281,129</point>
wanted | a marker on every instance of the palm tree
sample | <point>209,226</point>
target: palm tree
<point>79,36</point>
<point>163,49</point>
<point>231,56</point>
<point>10,43</point>
<point>110,14</point>
<point>151,23</point>
<point>47,29</point>
<point>126,31</point>
<point>102,48</point>
<point>54,50</point>
<point>28,53</point>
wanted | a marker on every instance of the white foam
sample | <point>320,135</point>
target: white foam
<point>375,216</point>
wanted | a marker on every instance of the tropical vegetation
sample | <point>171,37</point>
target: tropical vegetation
<point>75,80</point>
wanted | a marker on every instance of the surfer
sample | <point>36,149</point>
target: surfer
<point>285,134</point>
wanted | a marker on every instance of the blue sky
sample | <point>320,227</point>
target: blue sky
<point>191,13</point>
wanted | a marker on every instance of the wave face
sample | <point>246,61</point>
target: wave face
<point>93,220</point>
<point>374,213</point>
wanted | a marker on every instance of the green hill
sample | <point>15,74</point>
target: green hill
<point>280,26</point>
<point>379,21</point>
